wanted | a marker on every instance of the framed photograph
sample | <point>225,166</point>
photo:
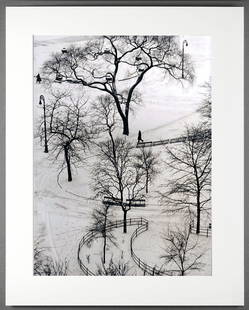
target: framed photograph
<point>124,156</point>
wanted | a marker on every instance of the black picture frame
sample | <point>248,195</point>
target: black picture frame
<point>201,3</point>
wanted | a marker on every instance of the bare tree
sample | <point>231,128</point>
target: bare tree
<point>206,104</point>
<point>190,165</point>
<point>116,65</point>
<point>181,253</point>
<point>44,265</point>
<point>104,116</point>
<point>70,131</point>
<point>102,227</point>
<point>120,268</point>
<point>148,162</point>
<point>116,176</point>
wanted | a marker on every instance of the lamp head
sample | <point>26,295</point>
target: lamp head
<point>41,99</point>
<point>185,42</point>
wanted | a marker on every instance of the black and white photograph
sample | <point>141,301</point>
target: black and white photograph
<point>122,155</point>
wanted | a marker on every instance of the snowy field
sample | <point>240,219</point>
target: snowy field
<point>62,209</point>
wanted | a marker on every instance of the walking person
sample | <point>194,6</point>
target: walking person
<point>38,78</point>
<point>139,138</point>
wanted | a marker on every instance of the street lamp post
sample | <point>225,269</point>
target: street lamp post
<point>42,101</point>
<point>184,43</point>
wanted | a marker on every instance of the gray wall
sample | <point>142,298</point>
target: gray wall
<point>3,4</point>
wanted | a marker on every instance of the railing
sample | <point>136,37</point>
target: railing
<point>204,231</point>
<point>86,239</point>
<point>147,269</point>
<point>90,235</point>
<point>204,134</point>
<point>143,225</point>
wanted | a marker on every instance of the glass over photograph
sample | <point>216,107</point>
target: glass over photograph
<point>122,146</point>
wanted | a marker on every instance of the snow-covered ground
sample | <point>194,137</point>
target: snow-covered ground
<point>62,210</point>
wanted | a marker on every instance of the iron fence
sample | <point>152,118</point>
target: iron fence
<point>87,238</point>
<point>204,231</point>
<point>147,269</point>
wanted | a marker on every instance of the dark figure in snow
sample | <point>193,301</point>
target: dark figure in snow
<point>139,138</point>
<point>38,78</point>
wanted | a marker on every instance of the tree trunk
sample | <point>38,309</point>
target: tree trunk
<point>45,129</point>
<point>104,235</point>
<point>198,220</point>
<point>67,158</point>
<point>198,203</point>
<point>125,223</point>
<point>125,126</point>
<point>147,184</point>
<point>46,146</point>
<point>104,249</point>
